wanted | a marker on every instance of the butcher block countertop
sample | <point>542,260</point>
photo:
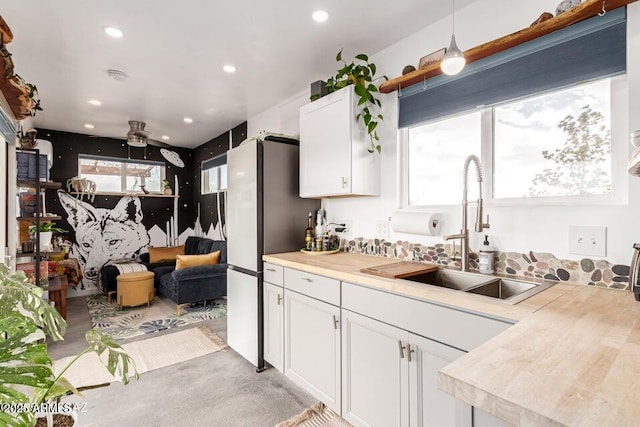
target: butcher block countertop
<point>346,267</point>
<point>573,358</point>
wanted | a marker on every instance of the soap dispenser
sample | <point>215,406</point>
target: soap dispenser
<point>486,257</point>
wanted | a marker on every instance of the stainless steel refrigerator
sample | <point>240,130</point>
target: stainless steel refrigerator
<point>265,215</point>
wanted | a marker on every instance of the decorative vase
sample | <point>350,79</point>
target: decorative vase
<point>45,240</point>
<point>168,191</point>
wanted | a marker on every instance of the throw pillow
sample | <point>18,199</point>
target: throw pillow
<point>157,255</point>
<point>185,261</point>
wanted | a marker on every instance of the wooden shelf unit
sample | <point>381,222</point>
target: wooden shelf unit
<point>44,185</point>
<point>107,193</point>
<point>585,10</point>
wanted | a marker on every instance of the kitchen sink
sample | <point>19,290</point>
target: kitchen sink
<point>510,291</point>
<point>450,279</point>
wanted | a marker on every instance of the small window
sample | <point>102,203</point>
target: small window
<point>436,153</point>
<point>114,175</point>
<point>214,175</point>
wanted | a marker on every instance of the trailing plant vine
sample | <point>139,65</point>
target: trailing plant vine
<point>361,73</point>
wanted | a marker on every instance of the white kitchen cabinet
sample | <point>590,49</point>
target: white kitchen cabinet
<point>312,346</point>
<point>429,405</point>
<point>375,380</point>
<point>274,325</point>
<point>334,156</point>
<point>390,377</point>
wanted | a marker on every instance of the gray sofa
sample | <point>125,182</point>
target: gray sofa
<point>192,284</point>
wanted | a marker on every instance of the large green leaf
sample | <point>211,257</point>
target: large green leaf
<point>361,90</point>
<point>19,297</point>
<point>119,364</point>
<point>23,419</point>
<point>362,57</point>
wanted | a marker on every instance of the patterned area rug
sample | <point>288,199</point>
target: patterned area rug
<point>316,416</point>
<point>127,322</point>
<point>148,354</point>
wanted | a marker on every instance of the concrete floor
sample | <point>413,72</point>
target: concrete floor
<point>219,389</point>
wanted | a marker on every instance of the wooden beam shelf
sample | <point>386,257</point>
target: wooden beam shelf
<point>585,10</point>
<point>48,185</point>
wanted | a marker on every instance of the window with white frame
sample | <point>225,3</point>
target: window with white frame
<point>116,175</point>
<point>545,147</point>
<point>214,175</point>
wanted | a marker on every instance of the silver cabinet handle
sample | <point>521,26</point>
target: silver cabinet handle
<point>306,279</point>
<point>336,322</point>
<point>345,182</point>
<point>401,347</point>
<point>409,351</point>
<point>273,270</point>
<point>279,299</point>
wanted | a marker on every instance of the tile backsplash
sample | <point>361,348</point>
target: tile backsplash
<point>586,271</point>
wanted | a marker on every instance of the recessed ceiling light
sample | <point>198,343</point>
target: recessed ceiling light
<point>320,16</point>
<point>229,68</point>
<point>95,102</point>
<point>166,137</point>
<point>89,126</point>
<point>188,120</point>
<point>113,32</point>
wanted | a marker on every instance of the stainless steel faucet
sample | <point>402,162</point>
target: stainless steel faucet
<point>479,225</point>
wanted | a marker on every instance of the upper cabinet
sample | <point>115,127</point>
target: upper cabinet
<point>334,156</point>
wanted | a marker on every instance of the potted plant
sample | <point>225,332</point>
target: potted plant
<point>167,187</point>
<point>46,230</point>
<point>26,370</point>
<point>361,74</point>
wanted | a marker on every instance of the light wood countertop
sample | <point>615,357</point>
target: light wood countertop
<point>572,359</point>
<point>346,267</point>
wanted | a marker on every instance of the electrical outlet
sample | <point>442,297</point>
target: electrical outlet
<point>382,228</point>
<point>347,227</point>
<point>588,240</point>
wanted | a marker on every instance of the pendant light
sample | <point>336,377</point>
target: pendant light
<point>453,60</point>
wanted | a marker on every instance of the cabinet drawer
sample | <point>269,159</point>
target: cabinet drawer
<point>447,325</point>
<point>319,287</point>
<point>273,274</point>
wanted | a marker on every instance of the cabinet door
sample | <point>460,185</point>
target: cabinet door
<point>312,347</point>
<point>374,372</point>
<point>325,145</point>
<point>429,405</point>
<point>274,325</point>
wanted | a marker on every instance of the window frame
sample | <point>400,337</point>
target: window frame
<point>218,170</point>
<point>619,155</point>
<point>123,172</point>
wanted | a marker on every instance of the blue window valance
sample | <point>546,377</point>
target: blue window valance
<point>588,50</point>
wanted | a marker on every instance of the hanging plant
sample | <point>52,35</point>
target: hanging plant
<point>361,74</point>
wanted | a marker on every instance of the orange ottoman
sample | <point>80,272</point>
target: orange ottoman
<point>135,288</point>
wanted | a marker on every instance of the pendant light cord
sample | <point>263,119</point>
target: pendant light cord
<point>453,16</point>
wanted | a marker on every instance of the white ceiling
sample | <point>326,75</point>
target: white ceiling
<point>174,53</point>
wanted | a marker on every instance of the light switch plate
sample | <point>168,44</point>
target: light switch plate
<point>588,240</point>
<point>382,228</point>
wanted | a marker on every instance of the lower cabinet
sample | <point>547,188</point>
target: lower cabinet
<point>390,377</point>
<point>375,373</point>
<point>429,405</point>
<point>274,325</point>
<point>312,346</point>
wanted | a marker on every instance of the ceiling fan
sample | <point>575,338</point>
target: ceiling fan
<point>138,137</point>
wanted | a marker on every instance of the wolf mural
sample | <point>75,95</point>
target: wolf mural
<point>102,234</point>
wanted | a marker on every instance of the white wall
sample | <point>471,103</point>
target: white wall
<point>520,229</point>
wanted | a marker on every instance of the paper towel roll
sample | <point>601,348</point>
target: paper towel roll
<point>425,223</point>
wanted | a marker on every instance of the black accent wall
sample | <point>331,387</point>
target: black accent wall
<point>156,211</point>
<point>215,147</point>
